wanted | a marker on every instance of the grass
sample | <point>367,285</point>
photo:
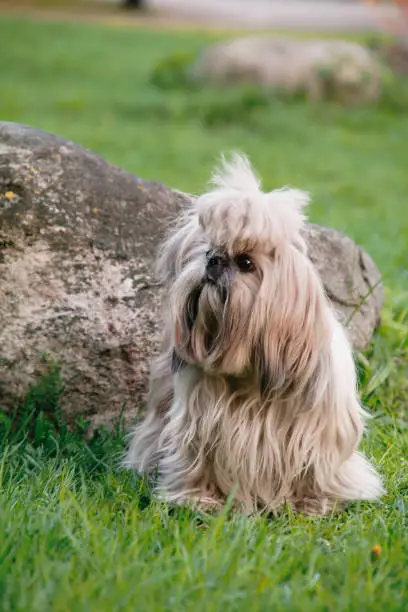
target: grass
<point>78,534</point>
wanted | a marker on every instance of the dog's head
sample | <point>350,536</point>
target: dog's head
<point>244,299</point>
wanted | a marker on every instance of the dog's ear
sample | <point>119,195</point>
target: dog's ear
<point>180,245</point>
<point>291,327</point>
<point>268,384</point>
<point>273,379</point>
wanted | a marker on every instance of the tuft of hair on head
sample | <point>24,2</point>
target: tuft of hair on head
<point>236,174</point>
<point>237,210</point>
<point>294,199</point>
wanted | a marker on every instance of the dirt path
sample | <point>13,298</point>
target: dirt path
<point>328,15</point>
<point>297,15</point>
<point>108,17</point>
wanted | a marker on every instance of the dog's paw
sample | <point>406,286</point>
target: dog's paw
<point>313,506</point>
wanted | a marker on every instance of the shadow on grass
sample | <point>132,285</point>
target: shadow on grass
<point>36,430</point>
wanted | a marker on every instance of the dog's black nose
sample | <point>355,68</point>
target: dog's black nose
<point>216,265</point>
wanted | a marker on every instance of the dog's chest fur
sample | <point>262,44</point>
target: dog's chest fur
<point>240,442</point>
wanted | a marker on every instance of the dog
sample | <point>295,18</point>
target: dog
<point>254,392</point>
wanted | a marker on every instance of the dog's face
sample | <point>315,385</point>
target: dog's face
<point>244,298</point>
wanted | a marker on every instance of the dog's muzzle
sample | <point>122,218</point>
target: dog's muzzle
<point>216,265</point>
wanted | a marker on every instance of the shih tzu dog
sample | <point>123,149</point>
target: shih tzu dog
<point>254,391</point>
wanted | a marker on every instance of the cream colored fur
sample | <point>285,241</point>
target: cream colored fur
<point>255,388</point>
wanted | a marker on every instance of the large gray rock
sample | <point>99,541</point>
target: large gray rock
<point>351,279</point>
<point>77,241</point>
<point>321,69</point>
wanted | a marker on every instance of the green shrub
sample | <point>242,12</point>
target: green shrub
<point>172,71</point>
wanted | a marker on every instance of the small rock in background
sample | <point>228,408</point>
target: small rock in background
<point>321,69</point>
<point>78,238</point>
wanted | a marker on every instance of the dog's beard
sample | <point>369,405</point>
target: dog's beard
<point>214,322</point>
<point>201,332</point>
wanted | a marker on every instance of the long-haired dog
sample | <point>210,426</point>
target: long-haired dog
<point>254,391</point>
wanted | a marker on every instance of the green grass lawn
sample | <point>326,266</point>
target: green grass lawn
<point>76,534</point>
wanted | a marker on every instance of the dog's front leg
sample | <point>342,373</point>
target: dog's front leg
<point>184,478</point>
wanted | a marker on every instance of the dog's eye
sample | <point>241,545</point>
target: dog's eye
<point>245,263</point>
